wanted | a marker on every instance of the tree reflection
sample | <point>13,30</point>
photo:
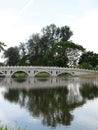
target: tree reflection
<point>89,91</point>
<point>51,104</point>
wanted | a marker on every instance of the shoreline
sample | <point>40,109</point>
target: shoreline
<point>89,76</point>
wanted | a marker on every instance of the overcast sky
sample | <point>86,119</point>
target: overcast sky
<point>19,19</point>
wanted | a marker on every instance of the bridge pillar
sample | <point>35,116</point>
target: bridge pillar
<point>54,73</point>
<point>8,73</point>
<point>31,74</point>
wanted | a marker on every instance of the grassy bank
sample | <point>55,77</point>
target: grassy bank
<point>6,128</point>
<point>64,75</point>
<point>42,74</point>
<point>89,75</point>
<point>19,75</point>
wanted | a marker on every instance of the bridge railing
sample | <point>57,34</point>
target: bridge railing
<point>47,67</point>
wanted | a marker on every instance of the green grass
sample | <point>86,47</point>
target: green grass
<point>64,75</point>
<point>6,128</point>
<point>42,74</point>
<point>19,75</point>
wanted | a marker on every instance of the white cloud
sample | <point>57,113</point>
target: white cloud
<point>6,25</point>
<point>12,29</point>
<point>13,35</point>
<point>86,30</point>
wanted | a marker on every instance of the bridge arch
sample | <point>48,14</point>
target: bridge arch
<point>2,74</point>
<point>43,71</point>
<point>65,72</point>
<point>12,73</point>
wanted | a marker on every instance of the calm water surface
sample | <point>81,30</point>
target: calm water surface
<point>51,103</point>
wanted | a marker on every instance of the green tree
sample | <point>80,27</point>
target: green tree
<point>88,58</point>
<point>23,49</point>
<point>64,33</point>
<point>64,54</point>
<point>32,44</point>
<point>24,61</point>
<point>73,52</point>
<point>24,57</point>
<point>12,55</point>
<point>50,33</point>
<point>55,34</point>
<point>2,45</point>
<point>34,49</point>
<point>39,44</point>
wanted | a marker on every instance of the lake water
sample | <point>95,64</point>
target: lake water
<point>50,103</point>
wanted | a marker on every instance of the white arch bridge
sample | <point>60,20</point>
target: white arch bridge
<point>31,71</point>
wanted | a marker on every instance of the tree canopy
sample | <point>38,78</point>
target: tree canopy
<point>51,47</point>
<point>2,45</point>
<point>12,55</point>
<point>64,53</point>
<point>88,60</point>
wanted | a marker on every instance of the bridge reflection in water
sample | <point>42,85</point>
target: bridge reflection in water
<point>52,99</point>
<point>73,85</point>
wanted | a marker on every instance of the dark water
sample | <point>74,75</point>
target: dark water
<point>51,103</point>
